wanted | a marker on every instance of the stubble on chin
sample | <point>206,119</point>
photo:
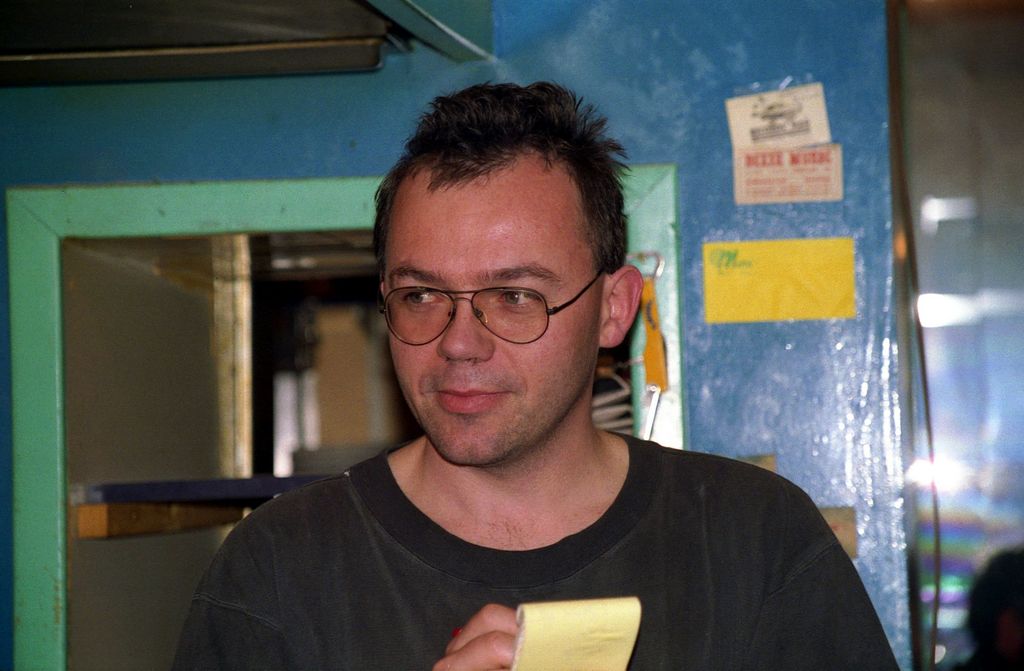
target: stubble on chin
<point>469,442</point>
<point>495,443</point>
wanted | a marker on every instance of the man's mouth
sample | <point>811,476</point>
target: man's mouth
<point>468,401</point>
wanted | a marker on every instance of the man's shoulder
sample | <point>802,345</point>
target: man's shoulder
<point>323,502</point>
<point>294,508</point>
<point>733,504</point>
<point>719,473</point>
<point>726,489</point>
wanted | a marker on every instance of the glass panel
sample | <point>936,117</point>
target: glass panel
<point>963,88</point>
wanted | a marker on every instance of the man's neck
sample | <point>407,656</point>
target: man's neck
<point>559,490</point>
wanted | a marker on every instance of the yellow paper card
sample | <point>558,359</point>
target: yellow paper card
<point>585,635</point>
<point>777,280</point>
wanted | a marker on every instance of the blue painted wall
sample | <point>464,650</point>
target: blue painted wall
<point>819,395</point>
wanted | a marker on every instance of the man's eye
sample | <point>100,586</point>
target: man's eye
<point>418,297</point>
<point>519,297</point>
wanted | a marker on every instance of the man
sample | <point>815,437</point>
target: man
<point>500,240</point>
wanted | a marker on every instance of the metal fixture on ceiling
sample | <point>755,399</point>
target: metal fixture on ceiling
<point>296,255</point>
<point>59,41</point>
<point>309,255</point>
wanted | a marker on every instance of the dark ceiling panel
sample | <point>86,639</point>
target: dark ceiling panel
<point>51,41</point>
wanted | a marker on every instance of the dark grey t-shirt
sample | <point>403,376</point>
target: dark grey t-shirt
<point>734,567</point>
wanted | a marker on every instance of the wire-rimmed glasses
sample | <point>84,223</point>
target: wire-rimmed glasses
<point>419,315</point>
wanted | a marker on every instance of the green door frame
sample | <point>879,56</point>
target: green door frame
<point>39,218</point>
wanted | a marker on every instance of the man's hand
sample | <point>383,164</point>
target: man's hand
<point>485,643</point>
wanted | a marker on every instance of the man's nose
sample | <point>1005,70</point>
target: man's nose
<point>466,337</point>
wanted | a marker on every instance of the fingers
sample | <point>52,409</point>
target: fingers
<point>485,643</point>
<point>492,651</point>
<point>490,618</point>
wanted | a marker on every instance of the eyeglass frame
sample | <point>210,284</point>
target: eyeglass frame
<point>382,307</point>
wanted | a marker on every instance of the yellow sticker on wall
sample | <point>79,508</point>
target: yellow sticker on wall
<point>777,280</point>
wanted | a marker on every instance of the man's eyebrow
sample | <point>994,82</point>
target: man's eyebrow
<point>497,276</point>
<point>414,274</point>
<point>528,271</point>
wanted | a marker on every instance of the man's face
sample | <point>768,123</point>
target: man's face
<point>483,401</point>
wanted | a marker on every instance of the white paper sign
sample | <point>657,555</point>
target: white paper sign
<point>793,117</point>
<point>791,175</point>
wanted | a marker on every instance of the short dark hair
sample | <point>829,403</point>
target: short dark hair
<point>486,127</point>
<point>999,586</point>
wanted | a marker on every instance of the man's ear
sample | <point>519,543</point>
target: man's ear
<point>621,296</point>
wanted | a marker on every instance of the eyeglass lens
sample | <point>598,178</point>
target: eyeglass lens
<point>418,315</point>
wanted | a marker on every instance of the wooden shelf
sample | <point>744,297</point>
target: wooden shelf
<point>110,520</point>
<point>114,510</point>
